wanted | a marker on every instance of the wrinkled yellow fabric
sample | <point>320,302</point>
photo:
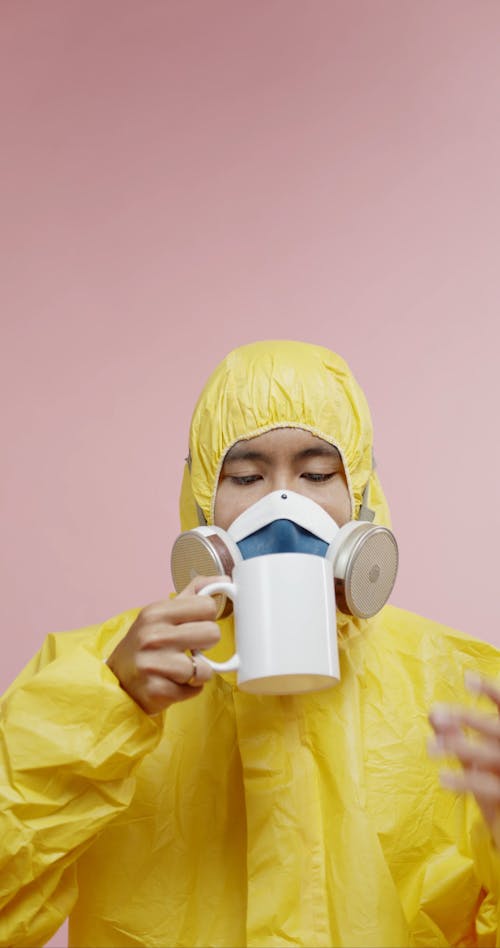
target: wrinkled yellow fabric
<point>234,819</point>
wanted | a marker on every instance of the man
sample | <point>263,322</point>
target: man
<point>237,819</point>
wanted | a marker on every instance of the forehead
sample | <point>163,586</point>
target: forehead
<point>281,442</point>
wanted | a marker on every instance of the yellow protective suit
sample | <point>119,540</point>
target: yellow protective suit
<point>234,819</point>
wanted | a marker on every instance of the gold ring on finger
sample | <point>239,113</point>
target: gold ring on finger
<point>193,679</point>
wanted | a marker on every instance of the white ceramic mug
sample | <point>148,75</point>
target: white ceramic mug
<point>285,624</point>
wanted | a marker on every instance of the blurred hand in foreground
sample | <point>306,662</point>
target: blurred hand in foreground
<point>472,738</point>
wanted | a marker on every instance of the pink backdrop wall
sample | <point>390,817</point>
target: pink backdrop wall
<point>181,177</point>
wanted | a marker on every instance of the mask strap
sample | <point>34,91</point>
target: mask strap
<point>199,512</point>
<point>365,512</point>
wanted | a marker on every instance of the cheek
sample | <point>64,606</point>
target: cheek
<point>229,504</point>
<point>220,510</point>
<point>347,507</point>
<point>339,504</point>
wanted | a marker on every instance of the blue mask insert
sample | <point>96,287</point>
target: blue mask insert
<point>281,536</point>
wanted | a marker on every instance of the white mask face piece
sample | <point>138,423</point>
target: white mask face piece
<point>284,505</point>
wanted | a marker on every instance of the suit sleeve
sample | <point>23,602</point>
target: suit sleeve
<point>70,741</point>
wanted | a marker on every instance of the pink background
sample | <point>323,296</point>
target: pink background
<point>181,177</point>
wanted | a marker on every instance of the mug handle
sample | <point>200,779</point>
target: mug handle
<point>232,663</point>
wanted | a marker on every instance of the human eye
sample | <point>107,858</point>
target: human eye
<point>318,477</point>
<point>244,479</point>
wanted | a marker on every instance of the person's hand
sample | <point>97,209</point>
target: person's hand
<point>153,662</point>
<point>472,738</point>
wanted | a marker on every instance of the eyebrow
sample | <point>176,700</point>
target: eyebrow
<point>328,450</point>
<point>241,453</point>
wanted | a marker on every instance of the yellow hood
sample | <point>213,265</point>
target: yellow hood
<point>274,384</point>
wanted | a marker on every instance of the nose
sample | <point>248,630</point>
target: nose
<point>281,480</point>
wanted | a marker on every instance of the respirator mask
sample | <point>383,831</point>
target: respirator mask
<point>364,556</point>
